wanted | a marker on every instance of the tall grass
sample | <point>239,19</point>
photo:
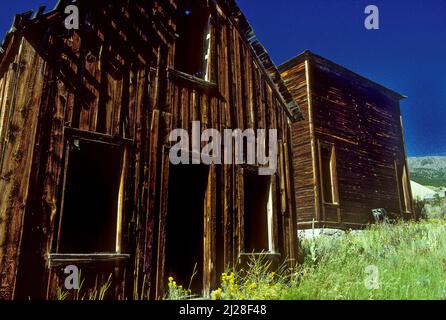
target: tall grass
<point>254,282</point>
<point>409,257</point>
<point>95,293</point>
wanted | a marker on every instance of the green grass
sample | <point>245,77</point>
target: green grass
<point>410,259</point>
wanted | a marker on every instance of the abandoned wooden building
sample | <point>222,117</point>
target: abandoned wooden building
<point>349,153</point>
<point>85,177</point>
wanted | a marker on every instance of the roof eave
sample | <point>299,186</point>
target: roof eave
<point>307,54</point>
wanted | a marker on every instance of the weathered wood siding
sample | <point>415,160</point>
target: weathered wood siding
<point>363,122</point>
<point>114,80</point>
<point>20,93</point>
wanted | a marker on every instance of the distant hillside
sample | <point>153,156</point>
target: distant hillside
<point>428,171</point>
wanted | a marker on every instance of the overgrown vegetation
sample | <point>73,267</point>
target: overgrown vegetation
<point>98,292</point>
<point>256,282</point>
<point>433,209</point>
<point>410,258</point>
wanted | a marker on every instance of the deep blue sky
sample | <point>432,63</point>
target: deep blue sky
<point>408,53</point>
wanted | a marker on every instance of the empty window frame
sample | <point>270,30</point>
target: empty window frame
<point>93,196</point>
<point>193,45</point>
<point>258,213</point>
<point>403,188</point>
<point>328,176</point>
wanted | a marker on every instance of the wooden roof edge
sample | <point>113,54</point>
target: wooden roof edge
<point>24,19</point>
<point>264,59</point>
<point>307,54</point>
<point>237,16</point>
<point>10,37</point>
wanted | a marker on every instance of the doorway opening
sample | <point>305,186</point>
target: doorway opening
<point>185,225</point>
<point>258,219</point>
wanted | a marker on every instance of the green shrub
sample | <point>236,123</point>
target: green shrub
<point>256,282</point>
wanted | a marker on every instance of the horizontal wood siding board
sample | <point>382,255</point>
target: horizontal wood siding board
<point>370,120</point>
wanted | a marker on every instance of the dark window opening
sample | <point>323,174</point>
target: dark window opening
<point>91,198</point>
<point>193,43</point>
<point>258,212</point>
<point>328,174</point>
<point>185,225</point>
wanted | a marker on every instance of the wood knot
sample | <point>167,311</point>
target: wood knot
<point>90,58</point>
